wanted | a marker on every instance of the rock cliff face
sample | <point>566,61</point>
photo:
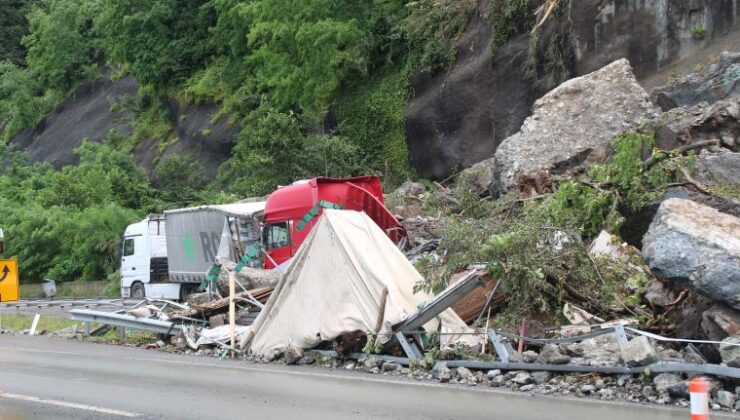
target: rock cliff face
<point>459,117</point>
<point>94,111</point>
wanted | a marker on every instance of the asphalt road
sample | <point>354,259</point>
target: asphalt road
<point>51,378</point>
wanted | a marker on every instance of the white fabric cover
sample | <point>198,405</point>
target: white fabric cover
<point>334,286</point>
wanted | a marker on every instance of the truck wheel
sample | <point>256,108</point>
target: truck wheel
<point>137,291</point>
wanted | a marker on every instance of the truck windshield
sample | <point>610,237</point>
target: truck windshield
<point>277,235</point>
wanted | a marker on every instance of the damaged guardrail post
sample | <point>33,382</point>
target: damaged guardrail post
<point>503,350</point>
<point>411,349</point>
<point>439,304</point>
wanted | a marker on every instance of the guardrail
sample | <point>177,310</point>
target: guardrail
<point>64,303</point>
<point>126,321</point>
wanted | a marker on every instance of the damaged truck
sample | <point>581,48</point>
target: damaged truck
<point>167,256</point>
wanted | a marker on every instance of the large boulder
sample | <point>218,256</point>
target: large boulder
<point>698,247</point>
<point>639,222</point>
<point>721,168</point>
<point>719,81</point>
<point>571,126</point>
<point>685,125</point>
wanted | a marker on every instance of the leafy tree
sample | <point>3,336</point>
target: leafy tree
<point>162,42</point>
<point>180,180</point>
<point>13,26</point>
<point>21,103</point>
<point>62,43</point>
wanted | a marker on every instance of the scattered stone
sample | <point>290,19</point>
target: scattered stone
<point>441,372</point>
<point>523,378</point>
<point>498,381</point>
<point>390,367</point>
<point>464,373</point>
<point>730,353</point>
<point>639,352</point>
<point>672,384</point>
<point>529,356</point>
<point>588,389</point>
<point>410,188</point>
<point>551,355</point>
<point>720,321</point>
<point>541,377</point>
<point>372,362</point>
<point>493,373</point>
<point>726,399</point>
<point>606,394</point>
<point>648,391</point>
<point>571,126</point>
<point>307,360</point>
<point>698,247</point>
<point>291,356</point>
<point>526,388</point>
<point>160,343</point>
<point>659,294</point>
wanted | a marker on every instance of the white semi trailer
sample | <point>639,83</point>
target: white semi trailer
<point>167,256</point>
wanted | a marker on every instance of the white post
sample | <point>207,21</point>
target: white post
<point>35,324</point>
<point>232,312</point>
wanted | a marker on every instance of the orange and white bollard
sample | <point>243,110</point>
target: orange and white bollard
<point>699,391</point>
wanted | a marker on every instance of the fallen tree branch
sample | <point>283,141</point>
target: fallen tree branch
<point>652,160</point>
<point>699,187</point>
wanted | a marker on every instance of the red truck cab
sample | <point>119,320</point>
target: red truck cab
<point>283,230</point>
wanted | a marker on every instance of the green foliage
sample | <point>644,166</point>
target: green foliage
<point>432,28</point>
<point>372,117</point>
<point>13,26</point>
<point>594,203</point>
<point>62,43</point>
<point>180,180</point>
<point>21,102</point>
<point>277,150</point>
<point>66,224</point>
<point>162,42</point>
<point>699,31</point>
<point>509,17</point>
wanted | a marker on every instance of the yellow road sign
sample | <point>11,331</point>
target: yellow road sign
<point>9,291</point>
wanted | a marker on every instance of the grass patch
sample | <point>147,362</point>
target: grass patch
<point>82,289</point>
<point>46,323</point>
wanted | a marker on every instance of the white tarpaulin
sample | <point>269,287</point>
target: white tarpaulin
<point>335,285</point>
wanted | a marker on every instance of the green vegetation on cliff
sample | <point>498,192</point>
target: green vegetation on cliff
<point>317,87</point>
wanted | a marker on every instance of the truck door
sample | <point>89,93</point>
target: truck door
<point>135,260</point>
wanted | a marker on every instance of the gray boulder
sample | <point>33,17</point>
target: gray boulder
<point>720,168</point>
<point>639,352</point>
<point>476,178</point>
<point>720,321</point>
<point>702,122</point>
<point>726,399</point>
<point>719,81</point>
<point>730,352</point>
<point>671,384</point>
<point>552,355</point>
<point>698,247</point>
<point>571,126</point>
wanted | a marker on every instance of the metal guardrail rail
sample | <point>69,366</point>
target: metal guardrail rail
<point>126,321</point>
<point>63,303</point>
